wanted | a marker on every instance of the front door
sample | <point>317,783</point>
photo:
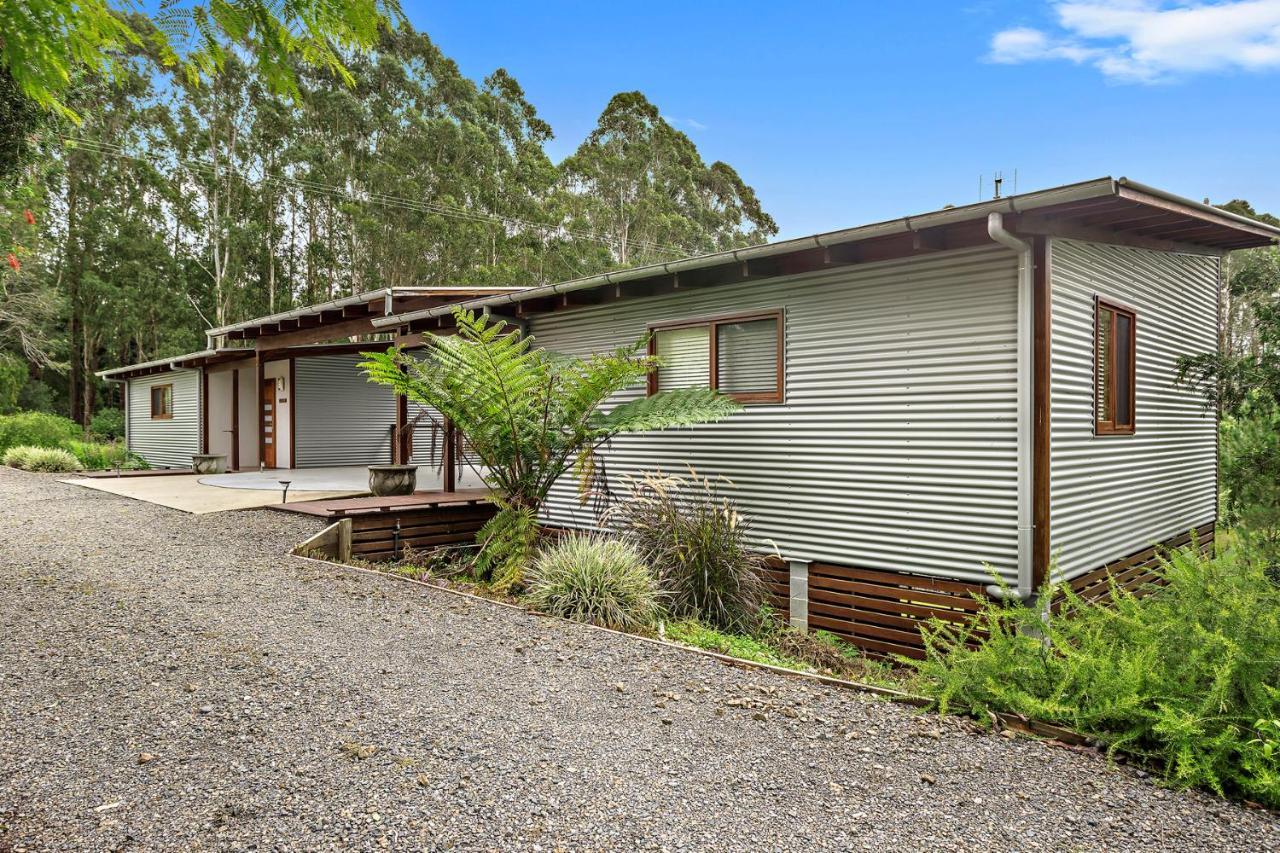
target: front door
<point>269,423</point>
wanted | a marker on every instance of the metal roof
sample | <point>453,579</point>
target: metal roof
<point>1163,216</point>
<point>387,294</point>
<point>175,362</point>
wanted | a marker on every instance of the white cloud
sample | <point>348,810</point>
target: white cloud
<point>1151,40</point>
<point>691,123</point>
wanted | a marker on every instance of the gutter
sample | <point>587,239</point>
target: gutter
<point>904,225</point>
<point>1198,205</point>
<point>1024,591</point>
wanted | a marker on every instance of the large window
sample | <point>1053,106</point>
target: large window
<point>1115,332</point>
<point>740,355</point>
<point>161,402</point>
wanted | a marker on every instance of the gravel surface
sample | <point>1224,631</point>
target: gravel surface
<point>173,682</point>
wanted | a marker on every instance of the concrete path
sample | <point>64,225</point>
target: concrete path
<point>188,493</point>
<point>174,682</point>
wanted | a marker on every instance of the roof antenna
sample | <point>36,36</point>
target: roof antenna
<point>980,177</point>
<point>1015,181</point>
<point>998,180</point>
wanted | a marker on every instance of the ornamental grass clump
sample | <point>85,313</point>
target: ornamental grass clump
<point>589,578</point>
<point>696,540</point>
<point>43,459</point>
<point>1187,676</point>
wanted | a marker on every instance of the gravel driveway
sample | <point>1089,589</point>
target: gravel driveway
<point>172,682</point>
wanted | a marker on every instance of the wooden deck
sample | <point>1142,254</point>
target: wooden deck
<point>337,508</point>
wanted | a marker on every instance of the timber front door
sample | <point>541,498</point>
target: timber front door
<point>269,423</point>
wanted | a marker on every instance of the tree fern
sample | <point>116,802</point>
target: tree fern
<point>528,414</point>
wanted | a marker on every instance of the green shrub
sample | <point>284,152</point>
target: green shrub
<point>695,539</point>
<point>96,456</point>
<point>107,424</point>
<point>1188,675</point>
<point>37,429</point>
<point>1250,472</point>
<point>52,460</point>
<point>691,632</point>
<point>593,579</point>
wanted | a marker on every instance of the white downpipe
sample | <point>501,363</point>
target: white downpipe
<point>1026,355</point>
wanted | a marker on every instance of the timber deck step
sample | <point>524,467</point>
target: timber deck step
<point>336,508</point>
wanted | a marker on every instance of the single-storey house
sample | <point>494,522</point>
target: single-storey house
<point>288,394</point>
<point>986,389</point>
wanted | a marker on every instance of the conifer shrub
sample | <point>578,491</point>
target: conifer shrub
<point>589,578</point>
<point>1187,676</point>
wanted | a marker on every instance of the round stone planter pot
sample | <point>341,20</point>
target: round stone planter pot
<point>209,463</point>
<point>385,480</point>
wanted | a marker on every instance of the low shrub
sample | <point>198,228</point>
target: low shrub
<point>96,456</point>
<point>17,457</point>
<point>593,579</point>
<point>45,459</point>
<point>1188,676</point>
<point>107,424</point>
<point>37,429</point>
<point>696,541</point>
<point>691,632</point>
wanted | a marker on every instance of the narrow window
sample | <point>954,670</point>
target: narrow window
<point>741,356</point>
<point>1114,353</point>
<point>161,402</point>
<point>686,357</point>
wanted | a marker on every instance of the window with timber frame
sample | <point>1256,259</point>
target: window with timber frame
<point>161,402</point>
<point>739,355</point>
<point>1115,351</point>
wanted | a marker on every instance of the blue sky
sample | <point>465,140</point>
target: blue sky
<point>845,113</point>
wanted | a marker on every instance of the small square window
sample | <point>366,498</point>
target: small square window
<point>1115,369</point>
<point>161,402</point>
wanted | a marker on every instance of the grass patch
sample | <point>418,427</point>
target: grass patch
<point>690,632</point>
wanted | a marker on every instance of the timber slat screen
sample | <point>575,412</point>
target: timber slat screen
<point>882,612</point>
<point>777,580</point>
<point>1137,573</point>
<point>376,537</point>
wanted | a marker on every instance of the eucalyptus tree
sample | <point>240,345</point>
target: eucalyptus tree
<point>46,45</point>
<point>642,182</point>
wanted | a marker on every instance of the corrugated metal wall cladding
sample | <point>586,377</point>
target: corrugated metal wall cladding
<point>1111,496</point>
<point>171,442</point>
<point>896,447</point>
<point>340,417</point>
